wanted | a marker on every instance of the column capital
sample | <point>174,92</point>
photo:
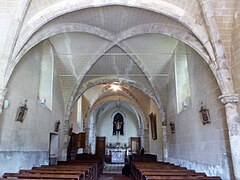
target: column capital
<point>229,98</point>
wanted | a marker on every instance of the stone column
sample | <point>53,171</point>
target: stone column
<point>233,123</point>
<point>66,139</point>
<point>165,149</point>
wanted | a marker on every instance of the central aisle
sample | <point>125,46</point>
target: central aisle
<point>113,172</point>
<point>113,168</point>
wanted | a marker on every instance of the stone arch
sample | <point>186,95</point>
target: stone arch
<point>143,123</point>
<point>63,28</point>
<point>103,80</point>
<point>15,29</point>
<point>191,40</point>
<point>178,33</point>
<point>90,122</point>
<point>162,7</point>
<point>118,111</point>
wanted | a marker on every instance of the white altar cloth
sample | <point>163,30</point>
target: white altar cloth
<point>118,156</point>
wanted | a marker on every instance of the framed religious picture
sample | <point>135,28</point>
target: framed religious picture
<point>172,127</point>
<point>118,124</point>
<point>204,115</point>
<point>153,124</point>
<point>21,112</point>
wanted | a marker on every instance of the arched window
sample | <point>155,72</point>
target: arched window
<point>118,124</point>
<point>182,77</point>
<point>46,75</point>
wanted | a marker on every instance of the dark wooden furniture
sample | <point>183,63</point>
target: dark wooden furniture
<point>159,170</point>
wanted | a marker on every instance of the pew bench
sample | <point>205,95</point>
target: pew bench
<point>41,176</point>
<point>82,174</point>
<point>89,174</point>
<point>182,177</point>
<point>171,174</point>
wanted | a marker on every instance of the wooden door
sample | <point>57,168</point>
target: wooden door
<point>135,145</point>
<point>100,146</point>
<point>82,140</point>
<point>53,149</point>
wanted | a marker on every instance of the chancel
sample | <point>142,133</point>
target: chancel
<point>103,78</point>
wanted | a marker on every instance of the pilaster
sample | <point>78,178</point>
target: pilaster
<point>233,122</point>
<point>165,149</point>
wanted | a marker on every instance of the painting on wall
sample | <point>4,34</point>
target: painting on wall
<point>204,114</point>
<point>21,112</point>
<point>153,125</point>
<point>172,126</point>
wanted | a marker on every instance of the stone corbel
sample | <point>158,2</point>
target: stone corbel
<point>2,95</point>
<point>229,98</point>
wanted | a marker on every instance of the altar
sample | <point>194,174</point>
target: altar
<point>118,156</point>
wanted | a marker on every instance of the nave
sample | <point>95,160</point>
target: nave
<point>124,74</point>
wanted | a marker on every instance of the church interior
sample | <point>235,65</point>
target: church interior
<point>121,80</point>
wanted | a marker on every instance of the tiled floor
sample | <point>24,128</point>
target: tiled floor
<point>113,172</point>
<point>113,168</point>
<point>114,177</point>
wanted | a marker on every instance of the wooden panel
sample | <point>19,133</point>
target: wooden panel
<point>100,145</point>
<point>82,139</point>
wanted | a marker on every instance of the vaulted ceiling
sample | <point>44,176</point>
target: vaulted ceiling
<point>113,43</point>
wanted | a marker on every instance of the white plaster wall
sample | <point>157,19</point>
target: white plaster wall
<point>156,146</point>
<point>105,126</point>
<point>28,142</point>
<point>194,145</point>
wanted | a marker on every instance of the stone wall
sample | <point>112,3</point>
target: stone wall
<point>235,65</point>
<point>15,160</point>
<point>194,145</point>
<point>28,141</point>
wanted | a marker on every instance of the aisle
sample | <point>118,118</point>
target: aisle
<point>113,172</point>
<point>113,168</point>
<point>112,176</point>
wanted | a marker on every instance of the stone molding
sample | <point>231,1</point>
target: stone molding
<point>229,98</point>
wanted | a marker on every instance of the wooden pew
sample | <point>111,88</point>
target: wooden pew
<point>98,164</point>
<point>171,177</point>
<point>82,174</point>
<point>137,167</point>
<point>89,174</point>
<point>170,174</point>
<point>182,177</point>
<point>156,170</point>
<point>41,176</point>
